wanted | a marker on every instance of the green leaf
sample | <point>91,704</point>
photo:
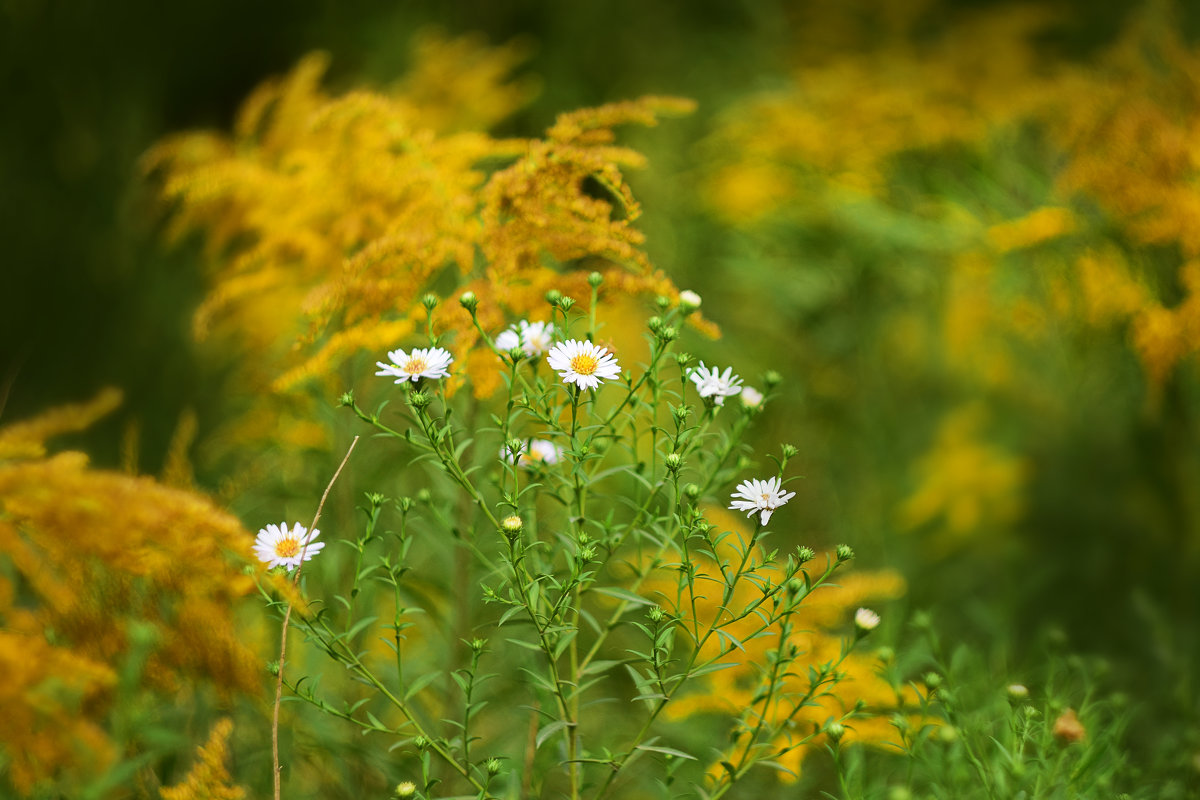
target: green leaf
<point>667,751</point>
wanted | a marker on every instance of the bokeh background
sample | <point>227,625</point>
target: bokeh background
<point>964,233</point>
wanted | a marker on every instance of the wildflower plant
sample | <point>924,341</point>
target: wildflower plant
<point>561,555</point>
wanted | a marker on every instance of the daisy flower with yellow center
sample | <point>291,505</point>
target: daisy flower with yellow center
<point>276,546</point>
<point>583,363</point>
<point>765,496</point>
<point>427,362</point>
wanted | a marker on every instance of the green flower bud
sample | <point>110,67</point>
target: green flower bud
<point>668,334</point>
<point>771,379</point>
<point>492,766</point>
<point>430,301</point>
<point>789,451</point>
<point>662,302</point>
<point>674,462</point>
<point>511,526</point>
<point>804,554</point>
<point>681,413</point>
<point>406,789</point>
<point>565,303</point>
<point>844,552</point>
<point>655,323</point>
<point>835,730</point>
<point>553,296</point>
<point>595,279</point>
<point>347,399</point>
<point>419,400</point>
<point>424,496</point>
<point>691,491</point>
<point>469,301</point>
<point>683,359</point>
<point>933,680</point>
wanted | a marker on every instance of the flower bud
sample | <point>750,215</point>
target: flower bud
<point>683,359</point>
<point>406,789</point>
<point>674,462</point>
<point>656,614</point>
<point>595,279</point>
<point>430,301</point>
<point>932,680</point>
<point>1017,691</point>
<point>689,301</point>
<point>553,296</point>
<point>668,334</point>
<point>751,398</point>
<point>420,742</point>
<point>835,730</point>
<point>406,504</point>
<point>493,766</point>
<point>804,554</point>
<point>565,303</point>
<point>469,301</point>
<point>347,399</point>
<point>789,451</point>
<point>865,621</point>
<point>844,552</point>
<point>655,323</point>
<point>419,400</point>
<point>424,496</point>
<point>772,379</point>
<point>691,491</point>
<point>511,526</point>
<point>681,413</point>
<point>662,302</point>
<point>477,645</point>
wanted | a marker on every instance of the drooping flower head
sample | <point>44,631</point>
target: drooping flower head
<point>422,362</point>
<point>765,496</point>
<point>276,546</point>
<point>532,338</point>
<point>711,382</point>
<point>583,363</point>
<point>537,451</point>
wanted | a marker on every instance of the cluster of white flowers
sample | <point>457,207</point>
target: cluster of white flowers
<point>276,546</point>
<point>531,338</point>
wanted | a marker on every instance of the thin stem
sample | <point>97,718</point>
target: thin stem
<point>287,618</point>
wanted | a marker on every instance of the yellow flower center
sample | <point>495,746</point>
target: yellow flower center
<point>584,364</point>
<point>416,366</point>
<point>287,548</point>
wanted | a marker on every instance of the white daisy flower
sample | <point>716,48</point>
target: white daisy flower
<point>711,382</point>
<point>751,397</point>
<point>537,451</point>
<point>764,496</point>
<point>533,338</point>
<point>276,546</point>
<point>422,362</point>
<point>583,363</point>
<point>866,620</point>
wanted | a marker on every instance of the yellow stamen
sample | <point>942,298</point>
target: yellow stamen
<point>415,366</point>
<point>584,364</point>
<point>287,548</point>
